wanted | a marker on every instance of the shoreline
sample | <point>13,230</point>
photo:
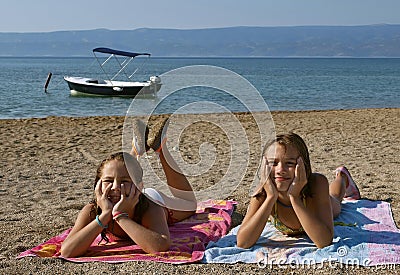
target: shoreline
<point>239,112</point>
<point>48,167</point>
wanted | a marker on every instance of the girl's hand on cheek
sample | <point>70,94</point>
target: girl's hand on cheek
<point>102,198</point>
<point>128,202</point>
<point>268,185</point>
<point>300,179</point>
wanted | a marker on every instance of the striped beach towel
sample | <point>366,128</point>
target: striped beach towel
<point>365,235</point>
<point>188,237</point>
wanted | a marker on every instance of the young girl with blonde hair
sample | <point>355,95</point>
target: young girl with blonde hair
<point>297,200</point>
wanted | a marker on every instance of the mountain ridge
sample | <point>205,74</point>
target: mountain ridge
<point>378,40</point>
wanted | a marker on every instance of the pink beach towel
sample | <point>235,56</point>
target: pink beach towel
<point>188,237</point>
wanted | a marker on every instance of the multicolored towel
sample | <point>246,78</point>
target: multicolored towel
<point>188,237</point>
<point>365,235</point>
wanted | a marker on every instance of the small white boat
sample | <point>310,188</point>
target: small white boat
<point>113,87</point>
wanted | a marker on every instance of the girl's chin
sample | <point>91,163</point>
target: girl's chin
<point>114,200</point>
<point>282,190</point>
<point>282,186</point>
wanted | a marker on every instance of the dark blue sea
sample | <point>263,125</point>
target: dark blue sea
<point>283,83</point>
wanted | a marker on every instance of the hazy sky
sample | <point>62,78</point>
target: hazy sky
<point>55,15</point>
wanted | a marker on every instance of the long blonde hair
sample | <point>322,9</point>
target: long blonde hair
<point>292,139</point>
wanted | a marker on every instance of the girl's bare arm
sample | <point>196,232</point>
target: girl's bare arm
<point>84,232</point>
<point>254,222</point>
<point>259,210</point>
<point>153,234</point>
<point>316,219</point>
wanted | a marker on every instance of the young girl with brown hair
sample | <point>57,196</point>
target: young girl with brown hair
<point>122,210</point>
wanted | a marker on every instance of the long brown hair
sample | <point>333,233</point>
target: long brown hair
<point>135,172</point>
<point>131,164</point>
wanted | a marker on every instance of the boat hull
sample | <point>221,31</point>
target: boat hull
<point>91,87</point>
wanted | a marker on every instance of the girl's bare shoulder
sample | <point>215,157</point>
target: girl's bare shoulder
<point>89,209</point>
<point>318,183</point>
<point>154,214</point>
<point>153,208</point>
<point>317,178</point>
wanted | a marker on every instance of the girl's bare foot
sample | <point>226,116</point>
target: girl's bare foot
<point>157,135</point>
<point>352,191</point>
<point>140,134</point>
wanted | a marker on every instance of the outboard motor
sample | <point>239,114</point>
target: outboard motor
<point>155,79</point>
<point>155,82</point>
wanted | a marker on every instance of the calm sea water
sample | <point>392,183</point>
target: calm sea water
<point>284,83</point>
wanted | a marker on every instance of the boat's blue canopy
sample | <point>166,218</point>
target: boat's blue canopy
<point>117,52</point>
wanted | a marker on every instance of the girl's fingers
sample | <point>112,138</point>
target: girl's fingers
<point>300,178</point>
<point>300,169</point>
<point>97,189</point>
<point>107,190</point>
<point>264,169</point>
<point>263,162</point>
<point>296,171</point>
<point>260,169</point>
<point>132,191</point>
<point>135,194</point>
<point>268,172</point>
<point>123,194</point>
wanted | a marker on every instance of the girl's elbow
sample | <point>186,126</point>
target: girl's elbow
<point>326,238</point>
<point>243,243</point>
<point>67,250</point>
<point>164,246</point>
<point>67,253</point>
<point>64,251</point>
<point>324,243</point>
<point>161,246</point>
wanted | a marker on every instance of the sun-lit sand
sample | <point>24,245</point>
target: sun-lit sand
<point>48,167</point>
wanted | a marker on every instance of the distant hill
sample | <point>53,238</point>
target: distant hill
<point>302,41</point>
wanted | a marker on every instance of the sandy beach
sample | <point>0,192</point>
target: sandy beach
<point>48,167</point>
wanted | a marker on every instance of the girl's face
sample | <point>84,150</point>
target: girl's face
<point>282,161</point>
<point>114,172</point>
